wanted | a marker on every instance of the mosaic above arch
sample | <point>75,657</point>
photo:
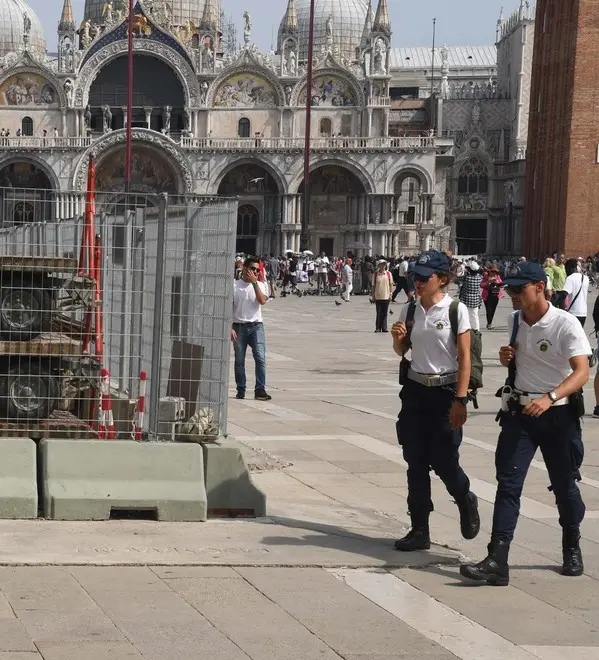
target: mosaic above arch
<point>27,88</point>
<point>330,91</point>
<point>243,90</point>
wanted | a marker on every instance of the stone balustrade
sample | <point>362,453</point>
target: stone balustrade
<point>43,143</point>
<point>316,144</point>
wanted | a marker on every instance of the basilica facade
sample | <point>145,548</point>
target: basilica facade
<point>409,150</point>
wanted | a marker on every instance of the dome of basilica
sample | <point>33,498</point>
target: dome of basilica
<point>12,28</point>
<point>182,10</point>
<point>347,19</point>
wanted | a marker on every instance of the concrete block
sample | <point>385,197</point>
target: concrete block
<point>229,486</point>
<point>18,478</point>
<point>89,480</point>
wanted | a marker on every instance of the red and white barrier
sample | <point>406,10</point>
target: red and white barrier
<point>141,406</point>
<point>106,427</point>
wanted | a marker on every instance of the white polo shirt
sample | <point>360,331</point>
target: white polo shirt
<point>434,350</point>
<point>403,269</point>
<point>577,286</point>
<point>246,308</point>
<point>545,350</point>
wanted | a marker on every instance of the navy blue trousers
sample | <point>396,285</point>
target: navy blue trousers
<point>559,437</point>
<point>428,442</point>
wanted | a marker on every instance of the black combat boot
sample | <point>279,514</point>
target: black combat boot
<point>494,569</point>
<point>469,518</point>
<point>418,538</point>
<point>573,565</point>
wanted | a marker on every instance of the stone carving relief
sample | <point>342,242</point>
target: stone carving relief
<point>380,171</point>
<point>149,171</point>
<point>330,91</point>
<point>471,202</point>
<point>27,89</point>
<point>243,90</point>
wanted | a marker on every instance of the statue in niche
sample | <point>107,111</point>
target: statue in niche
<point>203,92</point>
<point>166,119</point>
<point>67,57</point>
<point>329,26</point>
<point>366,58</point>
<point>26,24</point>
<point>107,118</point>
<point>208,56</point>
<point>284,69</point>
<point>107,12</point>
<point>288,92</point>
<point>69,92</point>
<point>84,34</point>
<point>87,117</point>
<point>380,57</point>
<point>292,62</point>
<point>247,28</point>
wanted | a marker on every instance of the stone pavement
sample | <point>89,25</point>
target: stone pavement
<point>318,578</point>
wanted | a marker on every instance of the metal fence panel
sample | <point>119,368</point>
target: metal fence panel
<point>165,302</point>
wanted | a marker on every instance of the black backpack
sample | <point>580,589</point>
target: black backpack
<point>476,346</point>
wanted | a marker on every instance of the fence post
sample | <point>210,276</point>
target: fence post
<point>156,367</point>
<point>126,308</point>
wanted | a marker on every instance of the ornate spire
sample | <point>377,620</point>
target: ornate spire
<point>290,19</point>
<point>211,16</point>
<point>367,32</point>
<point>382,22</point>
<point>67,20</point>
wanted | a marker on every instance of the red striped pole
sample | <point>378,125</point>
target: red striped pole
<point>141,405</point>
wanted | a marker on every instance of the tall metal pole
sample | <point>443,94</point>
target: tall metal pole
<point>128,127</point>
<point>307,192</point>
<point>433,109</point>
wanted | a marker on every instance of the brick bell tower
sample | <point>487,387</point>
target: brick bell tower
<point>562,161</point>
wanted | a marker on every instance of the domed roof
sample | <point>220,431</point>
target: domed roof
<point>12,28</point>
<point>182,10</point>
<point>347,21</point>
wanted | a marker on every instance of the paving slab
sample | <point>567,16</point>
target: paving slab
<point>87,651</point>
<point>14,637</point>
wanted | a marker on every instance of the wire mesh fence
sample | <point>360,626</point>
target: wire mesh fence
<point>124,335</point>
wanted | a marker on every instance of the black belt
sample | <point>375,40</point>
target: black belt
<point>250,323</point>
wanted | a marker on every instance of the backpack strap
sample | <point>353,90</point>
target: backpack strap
<point>453,318</point>
<point>511,370</point>
<point>410,322</point>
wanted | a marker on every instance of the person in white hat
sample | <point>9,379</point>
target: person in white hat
<point>470,293</point>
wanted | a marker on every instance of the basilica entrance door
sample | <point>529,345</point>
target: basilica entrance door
<point>327,245</point>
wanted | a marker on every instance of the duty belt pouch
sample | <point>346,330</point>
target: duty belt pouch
<point>576,404</point>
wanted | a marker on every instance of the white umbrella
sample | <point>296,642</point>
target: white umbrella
<point>308,253</point>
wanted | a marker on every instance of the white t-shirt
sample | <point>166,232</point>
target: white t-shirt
<point>246,308</point>
<point>347,274</point>
<point>403,269</point>
<point>572,286</point>
<point>434,350</point>
<point>545,349</point>
<point>322,264</point>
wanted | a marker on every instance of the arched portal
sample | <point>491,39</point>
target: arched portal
<point>338,205</point>
<point>155,87</point>
<point>151,172</point>
<point>408,191</point>
<point>259,207</point>
<point>25,194</point>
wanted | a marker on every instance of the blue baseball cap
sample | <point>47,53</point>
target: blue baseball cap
<point>525,272</point>
<point>432,262</point>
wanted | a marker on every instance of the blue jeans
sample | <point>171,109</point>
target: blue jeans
<point>251,335</point>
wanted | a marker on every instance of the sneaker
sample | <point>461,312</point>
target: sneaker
<point>262,396</point>
<point>240,394</point>
<point>596,412</point>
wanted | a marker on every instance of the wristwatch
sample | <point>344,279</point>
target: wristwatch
<point>553,397</point>
<point>463,400</point>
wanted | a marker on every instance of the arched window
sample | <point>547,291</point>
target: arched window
<point>244,128</point>
<point>27,126</point>
<point>473,178</point>
<point>326,127</point>
<point>247,221</point>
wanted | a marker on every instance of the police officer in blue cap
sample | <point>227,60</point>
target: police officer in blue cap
<point>434,398</point>
<point>541,408</point>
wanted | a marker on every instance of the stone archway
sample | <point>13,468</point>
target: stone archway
<point>27,193</point>
<point>259,206</point>
<point>338,206</point>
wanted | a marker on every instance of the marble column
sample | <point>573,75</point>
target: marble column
<point>369,133</point>
<point>386,124</point>
<point>125,118</point>
<point>148,112</point>
<point>369,242</point>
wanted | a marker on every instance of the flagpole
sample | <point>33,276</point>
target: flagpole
<point>433,112</point>
<point>307,193</point>
<point>129,149</point>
